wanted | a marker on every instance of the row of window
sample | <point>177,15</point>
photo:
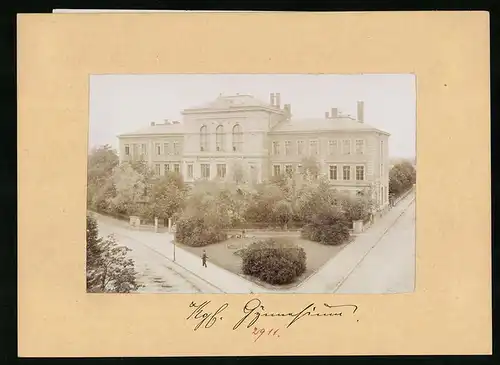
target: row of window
<point>333,172</point>
<point>166,168</point>
<point>334,147</point>
<point>204,170</point>
<point>220,144</point>
<point>167,150</point>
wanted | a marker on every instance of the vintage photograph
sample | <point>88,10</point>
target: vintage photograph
<point>251,183</point>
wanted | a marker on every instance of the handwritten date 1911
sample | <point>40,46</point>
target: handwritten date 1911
<point>207,319</point>
<point>257,332</point>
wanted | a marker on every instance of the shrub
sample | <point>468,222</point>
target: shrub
<point>328,227</point>
<point>195,231</point>
<point>274,261</point>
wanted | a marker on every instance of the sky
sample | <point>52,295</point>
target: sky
<point>125,103</point>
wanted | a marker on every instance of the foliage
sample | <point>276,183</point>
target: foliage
<point>196,231</point>
<point>108,268</point>
<point>166,196</point>
<point>327,226</point>
<point>401,177</point>
<point>274,261</point>
<point>100,189</point>
<point>310,167</point>
<point>130,187</point>
<point>357,207</point>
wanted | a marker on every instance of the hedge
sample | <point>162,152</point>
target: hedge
<point>194,231</point>
<point>328,228</point>
<point>274,261</point>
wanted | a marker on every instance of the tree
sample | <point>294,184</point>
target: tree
<point>130,187</point>
<point>310,167</point>
<point>327,226</point>
<point>108,268</point>
<point>239,173</point>
<point>165,197</point>
<point>402,176</point>
<point>100,189</point>
<point>282,212</point>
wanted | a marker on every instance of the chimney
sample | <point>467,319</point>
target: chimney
<point>335,113</point>
<point>288,110</point>
<point>152,124</point>
<point>272,99</point>
<point>361,112</point>
<point>327,116</point>
<point>278,100</point>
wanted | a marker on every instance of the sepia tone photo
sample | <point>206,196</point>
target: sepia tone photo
<point>276,183</point>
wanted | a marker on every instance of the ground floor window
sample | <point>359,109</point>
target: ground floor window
<point>346,173</point>
<point>289,170</point>
<point>221,171</point>
<point>166,168</point>
<point>333,172</point>
<point>360,172</point>
<point>157,169</point>
<point>190,171</point>
<point>177,168</point>
<point>205,170</point>
<point>276,170</point>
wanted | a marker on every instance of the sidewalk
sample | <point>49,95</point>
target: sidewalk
<point>328,278</point>
<point>335,271</point>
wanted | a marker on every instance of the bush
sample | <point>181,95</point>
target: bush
<point>274,261</point>
<point>194,231</point>
<point>328,227</point>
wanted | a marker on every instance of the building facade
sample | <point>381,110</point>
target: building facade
<point>241,138</point>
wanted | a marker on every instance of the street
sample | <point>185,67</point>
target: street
<point>390,266</point>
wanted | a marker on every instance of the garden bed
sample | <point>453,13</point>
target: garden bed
<point>226,255</point>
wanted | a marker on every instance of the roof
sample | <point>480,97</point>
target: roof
<point>313,125</point>
<point>232,101</point>
<point>174,128</point>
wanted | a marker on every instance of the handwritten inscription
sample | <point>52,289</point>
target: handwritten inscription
<point>258,332</point>
<point>254,310</point>
<point>206,316</point>
<point>203,317</point>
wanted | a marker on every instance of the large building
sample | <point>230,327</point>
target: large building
<point>239,136</point>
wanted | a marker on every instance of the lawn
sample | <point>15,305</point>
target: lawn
<point>225,255</point>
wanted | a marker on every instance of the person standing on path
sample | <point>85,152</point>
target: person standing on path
<point>204,258</point>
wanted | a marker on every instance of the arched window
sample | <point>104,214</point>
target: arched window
<point>237,138</point>
<point>219,138</point>
<point>203,138</point>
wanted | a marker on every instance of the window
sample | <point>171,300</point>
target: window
<point>289,170</point>
<point>177,150</point>
<point>158,149</point>
<point>166,169</point>
<point>360,172</point>
<point>205,171</point>
<point>360,146</point>
<point>219,138</point>
<point>333,147</point>
<point>346,173</point>
<point>333,172</point>
<point>157,169</point>
<point>221,171</point>
<point>237,138</point>
<point>382,194</point>
<point>276,170</point>
<point>346,147</point>
<point>144,149</point>
<point>127,150</point>
<point>190,171</point>
<point>166,148</point>
<point>276,148</point>
<point>177,168</point>
<point>204,138</point>
<point>135,150</point>
<point>313,146</point>
<point>287,148</point>
<point>300,147</point>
